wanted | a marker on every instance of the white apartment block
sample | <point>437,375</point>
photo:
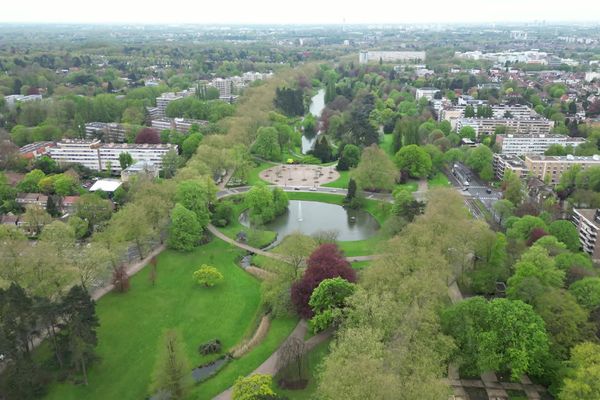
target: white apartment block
<point>365,57</point>
<point>99,156</point>
<point>487,126</point>
<point>503,163</point>
<point>107,132</point>
<point>180,125</point>
<point>427,92</point>
<point>163,101</point>
<point>533,144</point>
<point>225,87</point>
<point>587,221</point>
<point>12,99</point>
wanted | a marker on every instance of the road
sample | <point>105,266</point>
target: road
<point>478,190</point>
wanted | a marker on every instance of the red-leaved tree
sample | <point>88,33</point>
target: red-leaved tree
<point>536,233</point>
<point>325,262</point>
<point>120,279</point>
<point>148,135</point>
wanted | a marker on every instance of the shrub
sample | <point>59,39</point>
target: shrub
<point>208,276</point>
<point>210,347</point>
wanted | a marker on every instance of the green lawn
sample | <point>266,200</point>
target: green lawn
<point>359,265</point>
<point>341,182</point>
<point>386,145</point>
<point>411,186</point>
<point>131,325</point>
<point>315,357</point>
<point>439,180</point>
<point>253,178</point>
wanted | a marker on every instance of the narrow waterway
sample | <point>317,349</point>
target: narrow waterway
<point>317,104</point>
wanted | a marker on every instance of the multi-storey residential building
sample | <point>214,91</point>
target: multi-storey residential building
<point>12,99</point>
<point>35,150</point>
<point>225,87</point>
<point>550,168</point>
<point>365,57</point>
<point>163,101</point>
<point>103,156</point>
<point>139,168</point>
<point>533,144</point>
<point>503,163</point>
<point>487,126</point>
<point>180,125</point>
<point>106,131</point>
<point>587,222</point>
<point>427,92</point>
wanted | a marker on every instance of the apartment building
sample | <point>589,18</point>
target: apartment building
<point>139,168</point>
<point>180,125</point>
<point>100,156</point>
<point>427,92</point>
<point>13,99</point>
<point>487,126</point>
<point>25,199</point>
<point>107,132</point>
<point>533,144</point>
<point>225,87</point>
<point>35,150</point>
<point>550,168</point>
<point>365,57</point>
<point>503,163</point>
<point>587,222</point>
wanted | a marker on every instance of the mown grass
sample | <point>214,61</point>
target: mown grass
<point>439,180</point>
<point>131,325</point>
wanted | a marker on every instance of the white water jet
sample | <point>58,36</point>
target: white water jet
<point>299,211</point>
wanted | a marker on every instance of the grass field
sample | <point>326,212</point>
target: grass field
<point>315,357</point>
<point>131,325</point>
<point>386,145</point>
<point>439,180</point>
<point>341,182</point>
<point>253,178</point>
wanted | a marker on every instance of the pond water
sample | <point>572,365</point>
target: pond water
<point>317,104</point>
<point>310,217</point>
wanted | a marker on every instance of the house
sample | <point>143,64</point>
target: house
<point>39,199</point>
<point>9,219</point>
<point>68,204</point>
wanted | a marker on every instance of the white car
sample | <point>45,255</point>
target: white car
<point>313,189</point>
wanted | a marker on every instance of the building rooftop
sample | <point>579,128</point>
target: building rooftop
<point>106,185</point>
<point>589,214</point>
<point>569,157</point>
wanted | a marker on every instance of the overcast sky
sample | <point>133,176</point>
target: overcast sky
<point>298,12</point>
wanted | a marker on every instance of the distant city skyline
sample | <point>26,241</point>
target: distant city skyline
<point>306,12</point>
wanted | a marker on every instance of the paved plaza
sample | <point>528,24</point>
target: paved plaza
<point>299,175</point>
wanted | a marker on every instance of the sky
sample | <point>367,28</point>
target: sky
<point>298,12</point>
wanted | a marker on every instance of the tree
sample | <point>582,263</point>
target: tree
<point>406,206</point>
<point>60,235</point>
<point>498,335</point>
<point>254,387</point>
<point>349,158</point>
<point>375,171</point>
<point>170,162</point>
<point>565,232</point>
<point>480,159</point>
<point>125,160</point>
<point>93,209</point>
<point>521,228</point>
<point>414,161</point>
<point>35,218</point>
<point>266,144</point>
<point>566,321</point>
<point>208,276</point>
<point>587,292</point>
<point>172,375</point>
<point>30,181</point>
<point>79,315</point>
<point>185,230</point>
<point>190,144</point>
<point>290,101</point>
<point>195,195</point>
<point>361,130</point>
<point>513,188</point>
<point>80,226</point>
<point>327,301</point>
<point>503,209</point>
<point>467,132</point>
<point>351,192</point>
<point>138,232</point>
<point>65,184</point>
<point>583,376</point>
<point>148,135</point>
<point>261,208</point>
<point>322,149</point>
<point>325,262</point>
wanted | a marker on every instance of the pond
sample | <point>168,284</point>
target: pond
<point>310,217</point>
<point>317,104</point>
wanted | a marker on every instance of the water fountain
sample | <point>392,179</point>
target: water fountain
<point>299,211</point>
